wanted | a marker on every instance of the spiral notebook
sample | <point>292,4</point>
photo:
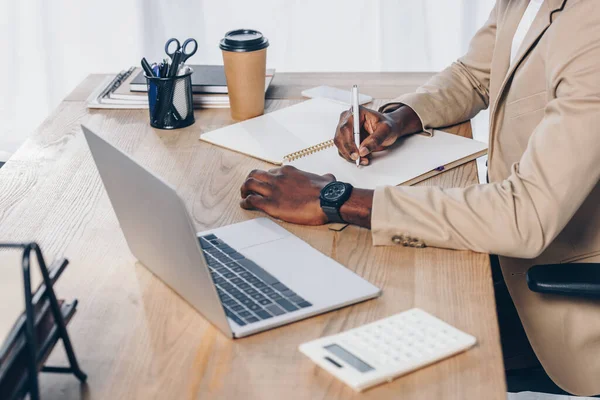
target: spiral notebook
<point>301,135</point>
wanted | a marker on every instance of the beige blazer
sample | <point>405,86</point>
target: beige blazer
<point>543,201</point>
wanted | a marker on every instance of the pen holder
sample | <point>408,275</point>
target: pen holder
<point>170,101</point>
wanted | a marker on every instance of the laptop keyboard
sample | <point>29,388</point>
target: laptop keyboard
<point>248,293</point>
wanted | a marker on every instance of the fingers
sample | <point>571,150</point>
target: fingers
<point>253,185</point>
<point>370,123</point>
<point>344,139</point>
<point>256,190</point>
<point>374,141</point>
<point>370,144</point>
<point>255,202</point>
<point>260,175</point>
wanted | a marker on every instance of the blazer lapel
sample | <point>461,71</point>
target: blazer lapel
<point>502,71</point>
<point>541,22</point>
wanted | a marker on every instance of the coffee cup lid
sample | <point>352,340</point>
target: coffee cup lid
<point>243,40</point>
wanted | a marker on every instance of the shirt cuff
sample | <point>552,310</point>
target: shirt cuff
<point>416,103</point>
<point>389,107</point>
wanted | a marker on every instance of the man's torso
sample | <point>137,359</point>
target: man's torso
<point>518,98</point>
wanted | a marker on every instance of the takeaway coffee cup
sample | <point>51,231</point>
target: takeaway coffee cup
<point>245,61</point>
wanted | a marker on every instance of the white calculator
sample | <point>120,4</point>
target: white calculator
<point>386,349</point>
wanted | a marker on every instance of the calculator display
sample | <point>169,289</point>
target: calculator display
<point>349,358</point>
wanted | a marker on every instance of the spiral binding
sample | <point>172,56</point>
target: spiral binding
<point>308,151</point>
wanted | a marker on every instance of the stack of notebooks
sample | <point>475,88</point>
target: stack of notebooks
<point>128,89</point>
<point>301,135</point>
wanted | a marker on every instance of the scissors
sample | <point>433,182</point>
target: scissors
<point>180,54</point>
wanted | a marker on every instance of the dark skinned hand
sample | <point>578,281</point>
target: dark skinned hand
<point>286,193</point>
<point>378,131</point>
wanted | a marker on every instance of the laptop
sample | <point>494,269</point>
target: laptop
<point>244,278</point>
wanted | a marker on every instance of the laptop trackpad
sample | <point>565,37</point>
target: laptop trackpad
<point>250,233</point>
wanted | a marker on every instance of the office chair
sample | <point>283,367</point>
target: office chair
<point>559,279</point>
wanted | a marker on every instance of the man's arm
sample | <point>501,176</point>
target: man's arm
<point>522,215</point>
<point>517,217</point>
<point>357,209</point>
<point>460,91</point>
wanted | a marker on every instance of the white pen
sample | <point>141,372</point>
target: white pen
<point>356,118</point>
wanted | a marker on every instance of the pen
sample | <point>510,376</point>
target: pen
<point>164,68</point>
<point>147,67</point>
<point>174,65</point>
<point>356,118</point>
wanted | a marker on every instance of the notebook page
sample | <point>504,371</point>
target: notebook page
<point>409,158</point>
<point>274,135</point>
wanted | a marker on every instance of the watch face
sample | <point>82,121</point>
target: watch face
<point>334,191</point>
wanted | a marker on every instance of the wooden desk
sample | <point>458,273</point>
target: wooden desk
<point>136,339</point>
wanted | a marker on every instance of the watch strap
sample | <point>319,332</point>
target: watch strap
<point>333,214</point>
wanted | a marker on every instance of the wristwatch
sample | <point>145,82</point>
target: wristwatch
<point>332,197</point>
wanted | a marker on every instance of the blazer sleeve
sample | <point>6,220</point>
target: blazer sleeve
<point>460,91</point>
<point>522,215</point>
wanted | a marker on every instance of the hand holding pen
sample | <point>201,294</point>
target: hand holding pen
<point>375,131</point>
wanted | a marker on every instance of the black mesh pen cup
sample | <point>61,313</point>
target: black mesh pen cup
<point>170,101</point>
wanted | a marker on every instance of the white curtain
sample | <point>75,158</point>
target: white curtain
<point>50,46</point>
